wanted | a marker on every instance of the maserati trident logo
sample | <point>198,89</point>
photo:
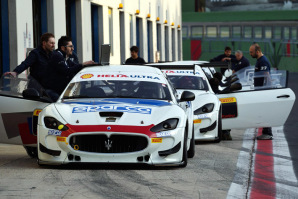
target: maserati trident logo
<point>108,144</point>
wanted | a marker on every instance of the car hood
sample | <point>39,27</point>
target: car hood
<point>135,111</point>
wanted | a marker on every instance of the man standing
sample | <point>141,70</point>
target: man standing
<point>134,59</point>
<point>62,68</point>
<point>262,66</point>
<point>239,62</point>
<point>227,56</point>
<point>37,59</point>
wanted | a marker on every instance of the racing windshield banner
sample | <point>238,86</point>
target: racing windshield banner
<point>183,72</point>
<point>125,76</point>
<point>229,107</point>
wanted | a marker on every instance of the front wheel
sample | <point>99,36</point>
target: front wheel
<point>219,127</point>
<point>184,156</point>
<point>192,149</point>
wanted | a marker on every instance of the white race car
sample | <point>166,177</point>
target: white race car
<point>116,114</point>
<point>214,112</point>
<point>185,76</point>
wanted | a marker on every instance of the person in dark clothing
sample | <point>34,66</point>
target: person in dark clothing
<point>226,57</point>
<point>37,59</point>
<point>239,62</point>
<point>263,66</point>
<point>61,68</point>
<point>134,59</point>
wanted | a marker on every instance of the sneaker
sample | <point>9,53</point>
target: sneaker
<point>265,137</point>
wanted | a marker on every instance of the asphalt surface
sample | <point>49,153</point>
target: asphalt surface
<point>291,126</point>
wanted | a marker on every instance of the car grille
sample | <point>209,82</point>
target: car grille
<point>113,144</point>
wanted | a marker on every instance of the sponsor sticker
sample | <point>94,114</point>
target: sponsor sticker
<point>197,121</point>
<point>163,134</point>
<point>54,132</point>
<point>229,107</point>
<point>129,109</point>
<point>61,139</point>
<point>87,76</point>
<point>156,140</point>
<point>36,112</point>
<point>228,100</point>
<point>128,76</point>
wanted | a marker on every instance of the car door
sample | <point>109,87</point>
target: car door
<point>251,107</point>
<point>17,123</point>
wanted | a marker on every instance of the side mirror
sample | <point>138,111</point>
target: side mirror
<point>187,96</point>
<point>231,88</point>
<point>31,94</point>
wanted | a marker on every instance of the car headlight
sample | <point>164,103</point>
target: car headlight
<point>207,108</point>
<point>52,123</point>
<point>166,125</point>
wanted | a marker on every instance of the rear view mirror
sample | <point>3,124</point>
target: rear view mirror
<point>31,94</point>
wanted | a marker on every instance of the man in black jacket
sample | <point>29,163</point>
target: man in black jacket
<point>37,59</point>
<point>134,59</point>
<point>62,68</point>
<point>227,56</point>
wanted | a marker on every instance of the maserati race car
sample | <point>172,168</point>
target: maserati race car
<point>115,114</point>
<point>267,106</point>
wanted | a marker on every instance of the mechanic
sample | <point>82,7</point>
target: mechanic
<point>37,59</point>
<point>239,62</point>
<point>62,68</point>
<point>226,57</point>
<point>263,66</point>
<point>134,59</point>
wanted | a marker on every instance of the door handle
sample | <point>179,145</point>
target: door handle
<point>283,96</point>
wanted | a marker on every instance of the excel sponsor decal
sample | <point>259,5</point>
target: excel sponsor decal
<point>229,107</point>
<point>54,132</point>
<point>156,140</point>
<point>87,76</point>
<point>129,109</point>
<point>163,134</point>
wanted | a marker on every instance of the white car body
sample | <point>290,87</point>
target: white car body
<point>246,108</point>
<point>84,126</point>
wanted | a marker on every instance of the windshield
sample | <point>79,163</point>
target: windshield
<point>117,89</point>
<point>188,82</point>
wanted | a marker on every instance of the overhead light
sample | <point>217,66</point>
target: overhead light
<point>120,6</point>
<point>178,26</point>
<point>172,24</point>
<point>137,12</point>
<point>157,19</point>
<point>148,15</point>
<point>166,22</point>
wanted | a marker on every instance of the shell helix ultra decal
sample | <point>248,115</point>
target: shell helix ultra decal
<point>229,107</point>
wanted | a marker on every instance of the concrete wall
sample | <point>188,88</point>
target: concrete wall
<point>21,26</point>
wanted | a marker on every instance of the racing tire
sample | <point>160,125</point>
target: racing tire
<point>192,148</point>
<point>184,155</point>
<point>219,128</point>
<point>31,151</point>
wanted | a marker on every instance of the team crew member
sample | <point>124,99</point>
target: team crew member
<point>239,62</point>
<point>227,56</point>
<point>134,59</point>
<point>262,66</point>
<point>61,68</point>
<point>37,59</point>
